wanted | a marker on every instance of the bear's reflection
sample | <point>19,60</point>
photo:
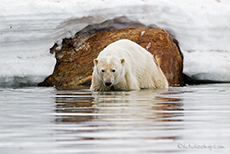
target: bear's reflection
<point>144,105</point>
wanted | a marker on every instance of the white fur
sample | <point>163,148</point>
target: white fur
<point>138,70</point>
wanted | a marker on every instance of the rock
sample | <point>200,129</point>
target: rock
<point>75,59</point>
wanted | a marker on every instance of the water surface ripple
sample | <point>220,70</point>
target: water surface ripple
<point>190,119</point>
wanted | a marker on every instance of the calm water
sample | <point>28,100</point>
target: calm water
<point>190,119</point>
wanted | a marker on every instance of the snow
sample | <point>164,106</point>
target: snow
<point>30,28</point>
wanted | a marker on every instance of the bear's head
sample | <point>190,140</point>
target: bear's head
<point>110,70</point>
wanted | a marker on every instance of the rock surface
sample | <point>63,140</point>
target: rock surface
<point>74,64</point>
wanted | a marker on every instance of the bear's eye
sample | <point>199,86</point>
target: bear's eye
<point>103,71</point>
<point>113,70</point>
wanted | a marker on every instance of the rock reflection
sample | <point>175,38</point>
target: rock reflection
<point>74,106</point>
<point>145,114</point>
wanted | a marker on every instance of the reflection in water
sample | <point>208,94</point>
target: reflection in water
<point>137,116</point>
<point>74,106</point>
<point>190,119</point>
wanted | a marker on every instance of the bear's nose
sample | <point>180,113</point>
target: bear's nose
<point>108,84</point>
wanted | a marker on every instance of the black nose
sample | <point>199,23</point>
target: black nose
<point>108,84</point>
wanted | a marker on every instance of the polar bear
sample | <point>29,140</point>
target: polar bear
<point>125,65</point>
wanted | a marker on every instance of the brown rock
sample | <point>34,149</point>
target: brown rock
<point>75,59</point>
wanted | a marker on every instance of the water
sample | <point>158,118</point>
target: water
<point>190,119</point>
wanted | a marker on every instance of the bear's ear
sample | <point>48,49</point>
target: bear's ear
<point>122,61</point>
<point>95,61</point>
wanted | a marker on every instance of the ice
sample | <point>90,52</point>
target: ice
<point>212,65</point>
<point>28,29</point>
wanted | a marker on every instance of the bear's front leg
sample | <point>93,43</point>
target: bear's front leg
<point>129,82</point>
<point>132,82</point>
